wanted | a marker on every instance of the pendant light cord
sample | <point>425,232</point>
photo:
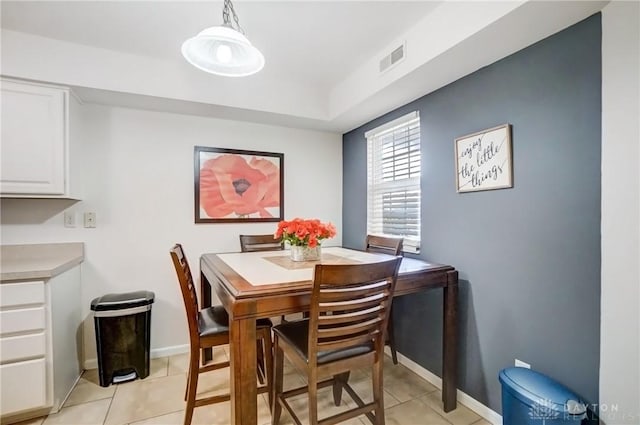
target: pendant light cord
<point>228,7</point>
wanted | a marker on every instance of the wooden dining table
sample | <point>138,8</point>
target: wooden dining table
<point>263,284</point>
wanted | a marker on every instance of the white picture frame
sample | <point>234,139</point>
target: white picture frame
<point>484,160</point>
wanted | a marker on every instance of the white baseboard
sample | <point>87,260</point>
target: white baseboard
<point>154,354</point>
<point>491,416</point>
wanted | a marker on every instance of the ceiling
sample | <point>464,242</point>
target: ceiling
<point>309,42</point>
<point>321,56</point>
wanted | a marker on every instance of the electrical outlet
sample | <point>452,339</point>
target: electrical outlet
<point>69,219</point>
<point>520,363</point>
<point>90,220</point>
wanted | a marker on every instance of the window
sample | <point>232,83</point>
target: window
<point>393,180</point>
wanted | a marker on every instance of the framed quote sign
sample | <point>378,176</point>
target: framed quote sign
<point>233,186</point>
<point>483,160</point>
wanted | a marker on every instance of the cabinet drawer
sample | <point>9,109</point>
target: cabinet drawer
<point>23,320</point>
<point>23,386</point>
<point>13,294</point>
<point>21,347</point>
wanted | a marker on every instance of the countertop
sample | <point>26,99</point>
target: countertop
<point>38,261</point>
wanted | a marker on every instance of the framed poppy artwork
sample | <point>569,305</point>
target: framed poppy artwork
<point>233,186</point>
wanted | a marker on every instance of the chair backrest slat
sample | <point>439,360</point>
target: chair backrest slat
<point>348,293</point>
<point>384,245</point>
<point>252,243</point>
<point>347,317</point>
<point>188,289</point>
<point>346,343</point>
<point>353,328</point>
<point>350,305</point>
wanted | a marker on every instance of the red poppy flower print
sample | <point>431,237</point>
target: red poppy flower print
<point>231,185</point>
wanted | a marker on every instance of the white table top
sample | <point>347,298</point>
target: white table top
<point>256,269</point>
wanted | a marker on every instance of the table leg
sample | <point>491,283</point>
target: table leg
<point>205,301</point>
<point>450,342</point>
<point>244,386</point>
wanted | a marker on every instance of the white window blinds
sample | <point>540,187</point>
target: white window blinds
<point>393,189</point>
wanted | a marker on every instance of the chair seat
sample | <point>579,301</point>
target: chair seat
<point>296,334</point>
<point>215,320</point>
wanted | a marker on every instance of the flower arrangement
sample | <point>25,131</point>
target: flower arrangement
<point>299,232</point>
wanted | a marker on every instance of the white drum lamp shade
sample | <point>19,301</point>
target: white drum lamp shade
<point>223,51</point>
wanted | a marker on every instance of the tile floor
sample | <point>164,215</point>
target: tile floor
<point>158,399</point>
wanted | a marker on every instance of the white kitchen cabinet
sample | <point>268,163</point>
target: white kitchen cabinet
<point>20,397</point>
<point>35,157</point>
<point>39,344</point>
<point>22,322</point>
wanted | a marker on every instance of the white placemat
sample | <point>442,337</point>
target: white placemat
<point>256,269</point>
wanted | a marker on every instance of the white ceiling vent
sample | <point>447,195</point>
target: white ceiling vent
<point>393,58</point>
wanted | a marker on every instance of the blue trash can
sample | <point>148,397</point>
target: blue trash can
<point>531,398</point>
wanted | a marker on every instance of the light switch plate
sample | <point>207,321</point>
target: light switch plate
<point>69,219</point>
<point>90,220</point>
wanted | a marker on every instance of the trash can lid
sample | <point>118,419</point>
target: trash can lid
<point>538,390</point>
<point>121,301</point>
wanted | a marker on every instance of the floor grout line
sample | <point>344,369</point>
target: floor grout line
<point>104,421</point>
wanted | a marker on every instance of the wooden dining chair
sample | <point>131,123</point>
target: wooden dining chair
<point>391,246</point>
<point>209,328</point>
<point>349,310</point>
<point>251,243</point>
<point>384,245</point>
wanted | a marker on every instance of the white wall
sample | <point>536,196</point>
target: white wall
<point>138,172</point>
<point>620,302</point>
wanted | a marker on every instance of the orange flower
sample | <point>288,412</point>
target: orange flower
<point>304,232</point>
<point>228,184</point>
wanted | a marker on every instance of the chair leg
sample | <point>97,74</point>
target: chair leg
<point>378,393</point>
<point>278,366</point>
<point>186,388</point>
<point>192,385</point>
<point>260,356</point>
<point>268,361</point>
<point>391,339</point>
<point>313,397</point>
<point>338,385</point>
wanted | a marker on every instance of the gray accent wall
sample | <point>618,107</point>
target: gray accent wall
<point>529,256</point>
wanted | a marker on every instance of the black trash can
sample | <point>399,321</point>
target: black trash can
<point>531,398</point>
<point>123,335</point>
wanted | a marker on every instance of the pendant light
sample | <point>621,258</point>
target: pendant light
<point>223,50</point>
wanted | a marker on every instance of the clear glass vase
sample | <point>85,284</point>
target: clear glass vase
<point>305,253</point>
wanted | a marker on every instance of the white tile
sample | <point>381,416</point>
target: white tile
<point>326,407</point>
<point>86,390</point>
<point>158,367</point>
<point>460,416</point>
<point>143,399</point>
<point>405,385</point>
<point>179,363</point>
<point>92,413</point>
<point>413,412</point>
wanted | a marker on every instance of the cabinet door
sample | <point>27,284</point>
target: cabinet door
<point>23,386</point>
<point>33,139</point>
